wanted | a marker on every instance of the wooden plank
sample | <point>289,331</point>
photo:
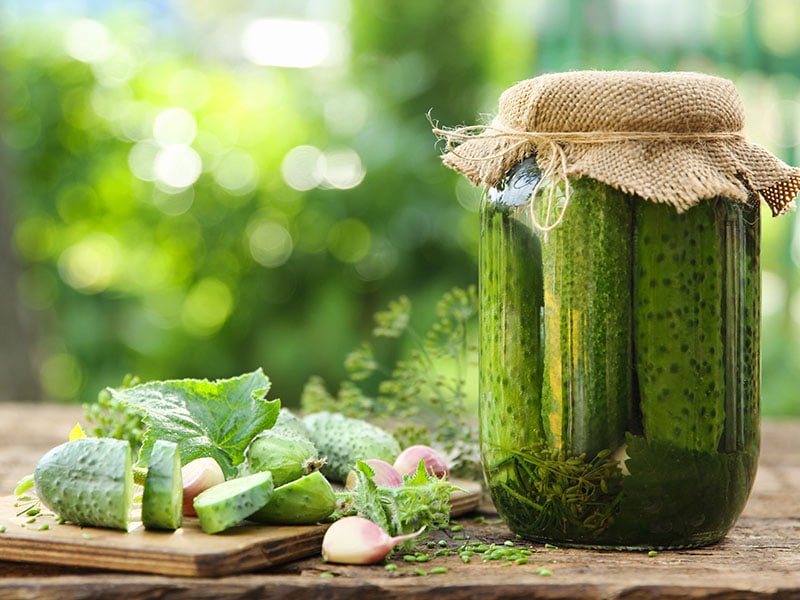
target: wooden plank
<point>186,552</point>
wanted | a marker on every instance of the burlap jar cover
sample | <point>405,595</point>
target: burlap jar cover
<point>667,137</point>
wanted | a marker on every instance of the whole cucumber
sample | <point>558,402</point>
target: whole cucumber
<point>586,322</point>
<point>511,300</point>
<point>679,327</point>
<point>285,454</point>
<point>343,440</point>
<point>88,481</point>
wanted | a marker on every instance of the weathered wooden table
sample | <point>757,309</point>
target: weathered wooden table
<point>760,558</point>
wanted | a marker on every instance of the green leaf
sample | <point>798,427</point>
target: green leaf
<point>204,418</point>
<point>371,501</point>
<point>420,476</point>
<point>422,501</point>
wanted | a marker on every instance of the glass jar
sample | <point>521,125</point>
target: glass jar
<point>619,363</point>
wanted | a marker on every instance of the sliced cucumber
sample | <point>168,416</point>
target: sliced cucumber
<point>303,501</point>
<point>88,481</point>
<point>162,499</point>
<point>226,504</point>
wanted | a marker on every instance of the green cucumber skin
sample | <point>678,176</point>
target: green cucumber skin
<point>88,481</point>
<point>343,440</point>
<point>586,346</point>
<point>678,285</point>
<point>304,501</point>
<point>224,505</point>
<point>288,422</point>
<point>511,300</point>
<point>162,497</point>
<point>748,431</point>
<point>741,239</point>
<point>285,454</point>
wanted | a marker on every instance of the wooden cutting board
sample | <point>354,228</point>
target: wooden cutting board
<point>188,551</point>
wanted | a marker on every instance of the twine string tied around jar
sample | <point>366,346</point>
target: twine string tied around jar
<point>554,169</point>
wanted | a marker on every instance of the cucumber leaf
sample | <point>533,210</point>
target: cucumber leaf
<point>205,418</point>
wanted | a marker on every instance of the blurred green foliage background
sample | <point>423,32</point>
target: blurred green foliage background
<point>197,189</point>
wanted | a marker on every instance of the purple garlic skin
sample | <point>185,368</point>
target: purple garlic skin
<point>407,462</point>
<point>359,541</point>
<point>385,475</point>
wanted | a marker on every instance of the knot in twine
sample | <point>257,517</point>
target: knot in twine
<point>555,167</point>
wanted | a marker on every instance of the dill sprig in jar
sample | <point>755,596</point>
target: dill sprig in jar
<point>619,284</point>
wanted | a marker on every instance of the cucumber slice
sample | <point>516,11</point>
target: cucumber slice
<point>88,481</point>
<point>226,504</point>
<point>303,501</point>
<point>162,499</point>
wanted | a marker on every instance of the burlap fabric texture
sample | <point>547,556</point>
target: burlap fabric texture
<point>673,137</point>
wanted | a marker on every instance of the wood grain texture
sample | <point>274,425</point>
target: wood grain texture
<point>758,560</point>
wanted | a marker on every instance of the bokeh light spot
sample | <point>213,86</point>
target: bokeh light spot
<point>303,167</point>
<point>38,287</point>
<point>174,126</point>
<point>237,172</point>
<point>343,169</point>
<point>207,306</point>
<point>286,43</point>
<point>25,133</point>
<point>89,266</point>
<point>349,240</point>
<point>189,88</point>
<point>380,261</point>
<point>61,376</point>
<point>178,166</point>
<point>142,159</point>
<point>88,41</point>
<point>270,244</point>
<point>774,293</point>
<point>173,204</point>
<point>35,238</point>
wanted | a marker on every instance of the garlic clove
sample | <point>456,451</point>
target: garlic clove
<point>407,462</point>
<point>385,475</point>
<point>359,541</point>
<point>199,475</point>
